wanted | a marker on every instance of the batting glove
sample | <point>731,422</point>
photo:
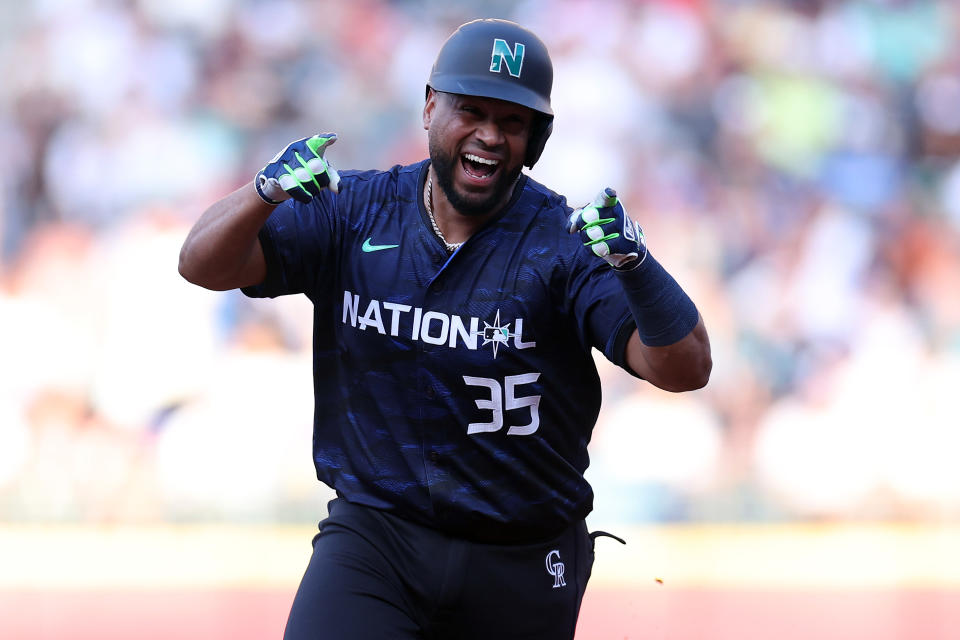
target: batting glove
<point>299,171</point>
<point>608,231</point>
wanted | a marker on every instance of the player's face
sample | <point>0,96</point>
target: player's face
<point>477,146</point>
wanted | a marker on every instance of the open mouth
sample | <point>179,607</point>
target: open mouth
<point>478,168</point>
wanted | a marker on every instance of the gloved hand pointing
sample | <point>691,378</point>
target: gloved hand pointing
<point>609,232</point>
<point>299,171</point>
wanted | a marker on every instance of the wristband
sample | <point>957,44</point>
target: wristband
<point>263,196</point>
<point>664,313</point>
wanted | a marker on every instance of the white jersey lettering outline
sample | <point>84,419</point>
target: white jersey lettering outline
<point>432,326</point>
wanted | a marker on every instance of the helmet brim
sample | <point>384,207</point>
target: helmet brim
<point>490,87</point>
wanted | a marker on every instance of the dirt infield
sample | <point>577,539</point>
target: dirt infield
<point>608,614</point>
<point>676,583</point>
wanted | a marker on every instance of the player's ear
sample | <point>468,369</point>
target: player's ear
<point>429,107</point>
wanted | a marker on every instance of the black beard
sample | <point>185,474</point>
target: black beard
<point>444,166</point>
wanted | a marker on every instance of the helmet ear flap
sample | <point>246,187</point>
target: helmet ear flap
<point>540,130</point>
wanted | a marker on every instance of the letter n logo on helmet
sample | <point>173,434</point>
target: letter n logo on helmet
<point>502,54</point>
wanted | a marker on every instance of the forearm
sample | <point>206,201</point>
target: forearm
<point>222,250</point>
<point>682,366</point>
<point>670,348</point>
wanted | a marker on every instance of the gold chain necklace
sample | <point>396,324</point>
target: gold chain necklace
<point>428,204</point>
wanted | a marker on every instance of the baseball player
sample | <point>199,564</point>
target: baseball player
<point>456,304</point>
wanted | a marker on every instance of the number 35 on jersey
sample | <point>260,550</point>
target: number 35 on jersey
<point>505,397</point>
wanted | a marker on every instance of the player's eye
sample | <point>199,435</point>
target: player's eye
<point>514,125</point>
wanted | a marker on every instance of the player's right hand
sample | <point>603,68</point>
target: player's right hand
<point>299,171</point>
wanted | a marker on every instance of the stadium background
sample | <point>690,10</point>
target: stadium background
<point>794,163</point>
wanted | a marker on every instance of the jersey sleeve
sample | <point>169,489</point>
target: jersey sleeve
<point>592,298</point>
<point>596,297</point>
<point>298,242</point>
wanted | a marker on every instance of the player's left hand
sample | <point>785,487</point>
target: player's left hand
<point>609,232</point>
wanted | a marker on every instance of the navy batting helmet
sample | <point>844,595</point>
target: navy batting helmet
<point>499,59</point>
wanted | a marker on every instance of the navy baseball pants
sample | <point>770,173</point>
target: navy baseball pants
<point>374,575</point>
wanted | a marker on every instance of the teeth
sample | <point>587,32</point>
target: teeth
<point>470,156</point>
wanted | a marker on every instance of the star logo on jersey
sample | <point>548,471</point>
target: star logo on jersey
<point>496,333</point>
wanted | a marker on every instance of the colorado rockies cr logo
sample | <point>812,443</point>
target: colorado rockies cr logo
<point>502,54</point>
<point>556,568</point>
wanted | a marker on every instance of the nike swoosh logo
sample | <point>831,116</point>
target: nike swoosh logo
<point>367,247</point>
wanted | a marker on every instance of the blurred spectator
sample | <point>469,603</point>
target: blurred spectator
<point>796,161</point>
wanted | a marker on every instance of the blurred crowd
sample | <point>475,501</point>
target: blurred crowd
<point>794,164</point>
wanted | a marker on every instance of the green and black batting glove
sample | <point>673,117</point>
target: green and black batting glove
<point>299,171</point>
<point>609,232</point>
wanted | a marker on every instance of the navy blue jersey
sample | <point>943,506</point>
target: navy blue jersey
<point>457,390</point>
